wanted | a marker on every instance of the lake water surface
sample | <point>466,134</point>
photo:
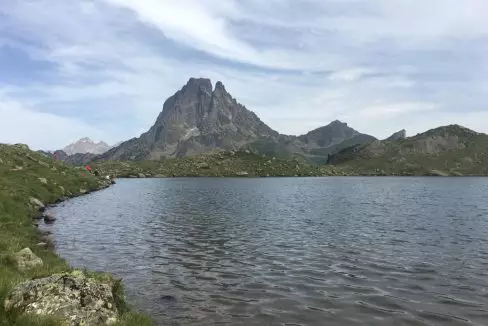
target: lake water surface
<point>289,251</point>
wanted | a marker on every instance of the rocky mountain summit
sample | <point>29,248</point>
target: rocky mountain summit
<point>86,145</point>
<point>200,118</point>
<point>399,135</point>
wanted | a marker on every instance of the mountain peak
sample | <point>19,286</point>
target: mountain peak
<point>402,134</point>
<point>198,84</point>
<point>86,145</point>
<point>201,118</point>
<point>337,123</point>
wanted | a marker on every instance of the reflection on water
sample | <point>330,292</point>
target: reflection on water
<point>290,251</point>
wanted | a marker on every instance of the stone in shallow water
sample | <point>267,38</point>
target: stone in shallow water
<point>49,217</point>
<point>74,297</point>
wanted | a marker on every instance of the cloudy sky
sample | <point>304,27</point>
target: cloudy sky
<point>103,68</point>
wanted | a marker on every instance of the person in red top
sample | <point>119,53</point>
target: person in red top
<point>88,168</point>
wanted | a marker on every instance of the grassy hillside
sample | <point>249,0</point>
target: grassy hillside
<point>25,174</point>
<point>225,164</point>
<point>450,150</point>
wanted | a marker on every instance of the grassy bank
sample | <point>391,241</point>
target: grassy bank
<point>25,174</point>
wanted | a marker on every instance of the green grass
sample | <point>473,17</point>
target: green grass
<point>20,170</point>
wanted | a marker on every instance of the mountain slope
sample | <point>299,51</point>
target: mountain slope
<point>199,119</point>
<point>86,145</point>
<point>448,150</point>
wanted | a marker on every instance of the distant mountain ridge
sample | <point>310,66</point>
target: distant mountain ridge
<point>86,145</point>
<point>446,150</point>
<point>200,118</point>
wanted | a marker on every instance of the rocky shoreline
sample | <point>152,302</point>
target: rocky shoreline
<point>37,287</point>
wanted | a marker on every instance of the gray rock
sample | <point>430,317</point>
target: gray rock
<point>42,245</point>
<point>26,259</point>
<point>83,191</point>
<point>43,180</point>
<point>141,175</point>
<point>399,135</point>
<point>203,165</point>
<point>242,173</point>
<point>74,297</point>
<point>49,217</point>
<point>37,203</point>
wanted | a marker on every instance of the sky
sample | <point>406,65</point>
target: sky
<point>103,68</point>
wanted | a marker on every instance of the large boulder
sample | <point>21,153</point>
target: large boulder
<point>26,259</point>
<point>73,297</point>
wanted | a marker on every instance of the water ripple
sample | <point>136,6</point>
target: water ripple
<point>333,251</point>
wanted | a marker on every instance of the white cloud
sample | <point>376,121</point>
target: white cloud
<point>39,130</point>
<point>389,110</point>
<point>351,74</point>
<point>366,62</point>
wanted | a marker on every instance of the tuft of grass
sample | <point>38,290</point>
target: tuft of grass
<point>20,170</point>
<point>130,319</point>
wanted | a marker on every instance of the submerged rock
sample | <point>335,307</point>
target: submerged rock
<point>74,297</point>
<point>49,217</point>
<point>26,259</point>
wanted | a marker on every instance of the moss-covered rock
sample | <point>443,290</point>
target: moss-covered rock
<point>73,297</point>
<point>26,259</point>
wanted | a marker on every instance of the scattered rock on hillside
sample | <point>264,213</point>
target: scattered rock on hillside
<point>43,180</point>
<point>203,165</point>
<point>42,245</point>
<point>437,173</point>
<point>74,297</point>
<point>26,259</point>
<point>43,163</point>
<point>37,204</point>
